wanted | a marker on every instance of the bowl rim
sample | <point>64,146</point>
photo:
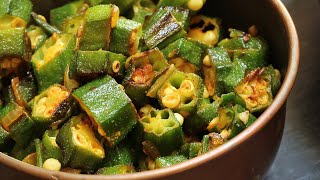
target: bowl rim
<point>265,117</point>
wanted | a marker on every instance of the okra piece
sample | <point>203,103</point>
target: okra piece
<point>185,55</point>
<point>60,14</point>
<point>116,64</point>
<point>50,61</point>
<point>16,121</point>
<point>181,92</point>
<point>167,161</point>
<point>15,51</point>
<point>39,152</point>
<point>91,63</point>
<point>240,120</point>
<point>124,6</point>
<point>23,90</point>
<point>80,147</point>
<point>162,30</point>
<point>5,140</point>
<point>252,51</point>
<point>117,169</point>
<point>194,5</point>
<point>162,128</point>
<point>255,91</point>
<point>42,22</point>
<point>199,121</point>
<point>17,8</point>
<point>205,29</point>
<point>71,25</point>
<point>273,76</point>
<point>143,70</point>
<point>211,141</point>
<point>50,105</point>
<point>95,33</point>
<point>37,37</point>
<point>31,159</point>
<point>109,108</point>
<point>121,154</point>
<point>50,147</point>
<point>125,37</point>
<point>20,152</point>
<point>142,9</point>
<point>190,150</point>
<point>223,120</point>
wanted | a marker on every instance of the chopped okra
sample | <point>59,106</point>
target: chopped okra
<point>113,87</point>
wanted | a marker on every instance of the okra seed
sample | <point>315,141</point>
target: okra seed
<point>186,88</point>
<point>145,110</point>
<point>41,109</point>
<point>179,117</point>
<point>52,164</point>
<point>168,123</point>
<point>244,116</point>
<point>207,61</point>
<point>169,90</point>
<point>205,93</point>
<point>42,101</point>
<point>195,5</point>
<point>213,123</point>
<point>225,134</point>
<point>116,66</point>
<point>171,100</point>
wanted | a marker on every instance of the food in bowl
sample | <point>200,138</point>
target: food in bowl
<point>131,86</point>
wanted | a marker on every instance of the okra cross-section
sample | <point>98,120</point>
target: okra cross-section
<point>143,70</point>
<point>95,33</point>
<point>50,106</point>
<point>109,108</point>
<point>50,61</point>
<point>80,147</point>
<point>255,91</point>
<point>163,130</point>
<point>181,92</point>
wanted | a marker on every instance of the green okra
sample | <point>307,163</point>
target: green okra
<point>190,150</point>
<point>20,152</point>
<point>125,37</point>
<point>211,141</point>
<point>5,140</point>
<point>252,51</point>
<point>91,63</point>
<point>272,76</point>
<point>255,91</point>
<point>17,8</point>
<point>16,121</point>
<point>50,105</point>
<point>124,6</point>
<point>222,121</point>
<point>116,64</point>
<point>205,30</point>
<point>161,31</point>
<point>39,152</point>
<point>142,9</point>
<point>71,25</point>
<point>163,130</point>
<point>96,30</point>
<point>240,120</point>
<point>109,108</point>
<point>166,161</point>
<point>122,154</point>
<point>80,147</point>
<point>117,169</point>
<point>37,37</point>
<point>50,147</point>
<point>181,92</point>
<point>60,14</point>
<point>194,5</point>
<point>50,61</point>
<point>204,114</point>
<point>42,22</point>
<point>143,69</point>
<point>186,50</point>
<point>15,51</point>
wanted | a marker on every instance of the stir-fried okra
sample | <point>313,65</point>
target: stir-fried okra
<point>117,87</point>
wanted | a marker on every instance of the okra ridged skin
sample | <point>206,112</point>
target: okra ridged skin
<point>122,154</point>
<point>18,8</point>
<point>96,30</point>
<point>190,150</point>
<point>117,169</point>
<point>50,61</point>
<point>5,140</point>
<point>50,147</point>
<point>125,37</point>
<point>91,63</point>
<point>80,148</point>
<point>109,108</point>
<point>166,161</point>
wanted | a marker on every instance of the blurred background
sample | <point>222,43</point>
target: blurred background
<point>299,154</point>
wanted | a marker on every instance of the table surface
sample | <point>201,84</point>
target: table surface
<point>299,153</point>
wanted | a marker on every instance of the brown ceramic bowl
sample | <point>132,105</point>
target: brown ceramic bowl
<point>250,154</point>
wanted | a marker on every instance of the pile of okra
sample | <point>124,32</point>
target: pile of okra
<point>115,87</point>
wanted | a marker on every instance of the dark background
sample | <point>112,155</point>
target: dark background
<point>299,153</point>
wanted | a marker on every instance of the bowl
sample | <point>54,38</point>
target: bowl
<point>250,154</point>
